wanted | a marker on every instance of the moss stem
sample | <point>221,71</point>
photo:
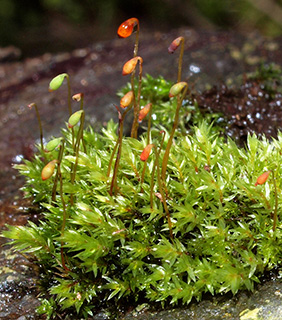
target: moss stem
<point>77,144</point>
<point>276,202</point>
<point>180,60</point>
<point>113,187</point>
<point>40,126</point>
<point>69,94</point>
<point>135,51</point>
<point>64,208</point>
<point>175,125</point>
<point>60,156</point>
<point>136,101</point>
<point>163,194</point>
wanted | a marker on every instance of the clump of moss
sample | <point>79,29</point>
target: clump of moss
<point>194,214</point>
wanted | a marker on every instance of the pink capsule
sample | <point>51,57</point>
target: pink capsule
<point>175,44</point>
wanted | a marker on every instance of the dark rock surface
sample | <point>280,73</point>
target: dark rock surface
<point>263,304</point>
<point>210,59</point>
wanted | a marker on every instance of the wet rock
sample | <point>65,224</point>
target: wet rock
<point>263,304</point>
<point>18,290</point>
<point>10,53</point>
<point>247,109</point>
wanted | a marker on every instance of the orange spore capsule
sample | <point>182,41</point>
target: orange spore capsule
<point>128,27</point>
<point>146,152</point>
<point>126,100</point>
<point>48,170</point>
<point>144,111</point>
<point>130,65</point>
<point>262,178</point>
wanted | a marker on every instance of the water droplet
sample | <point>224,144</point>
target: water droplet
<point>194,68</point>
<point>18,158</point>
<point>258,115</point>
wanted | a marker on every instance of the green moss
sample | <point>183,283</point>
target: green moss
<point>118,246</point>
<point>205,227</point>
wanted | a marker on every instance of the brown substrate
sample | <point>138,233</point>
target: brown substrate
<point>251,108</point>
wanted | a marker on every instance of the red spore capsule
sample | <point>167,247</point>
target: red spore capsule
<point>262,178</point>
<point>128,27</point>
<point>146,152</point>
<point>144,111</point>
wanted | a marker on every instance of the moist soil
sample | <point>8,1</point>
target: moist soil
<point>249,108</point>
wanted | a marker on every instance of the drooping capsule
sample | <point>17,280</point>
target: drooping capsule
<point>48,170</point>
<point>144,111</point>
<point>53,144</point>
<point>146,152</point>
<point>31,105</point>
<point>128,27</point>
<point>56,82</point>
<point>77,97</point>
<point>175,44</point>
<point>127,99</point>
<point>74,118</point>
<point>262,178</point>
<point>130,65</point>
<point>177,88</point>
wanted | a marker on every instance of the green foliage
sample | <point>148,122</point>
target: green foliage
<point>119,246</point>
<point>187,220</point>
<point>156,91</point>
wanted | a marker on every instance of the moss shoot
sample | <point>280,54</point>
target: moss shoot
<point>194,214</point>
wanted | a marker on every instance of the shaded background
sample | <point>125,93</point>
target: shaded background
<point>38,26</point>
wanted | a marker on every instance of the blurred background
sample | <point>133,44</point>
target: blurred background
<point>38,26</point>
